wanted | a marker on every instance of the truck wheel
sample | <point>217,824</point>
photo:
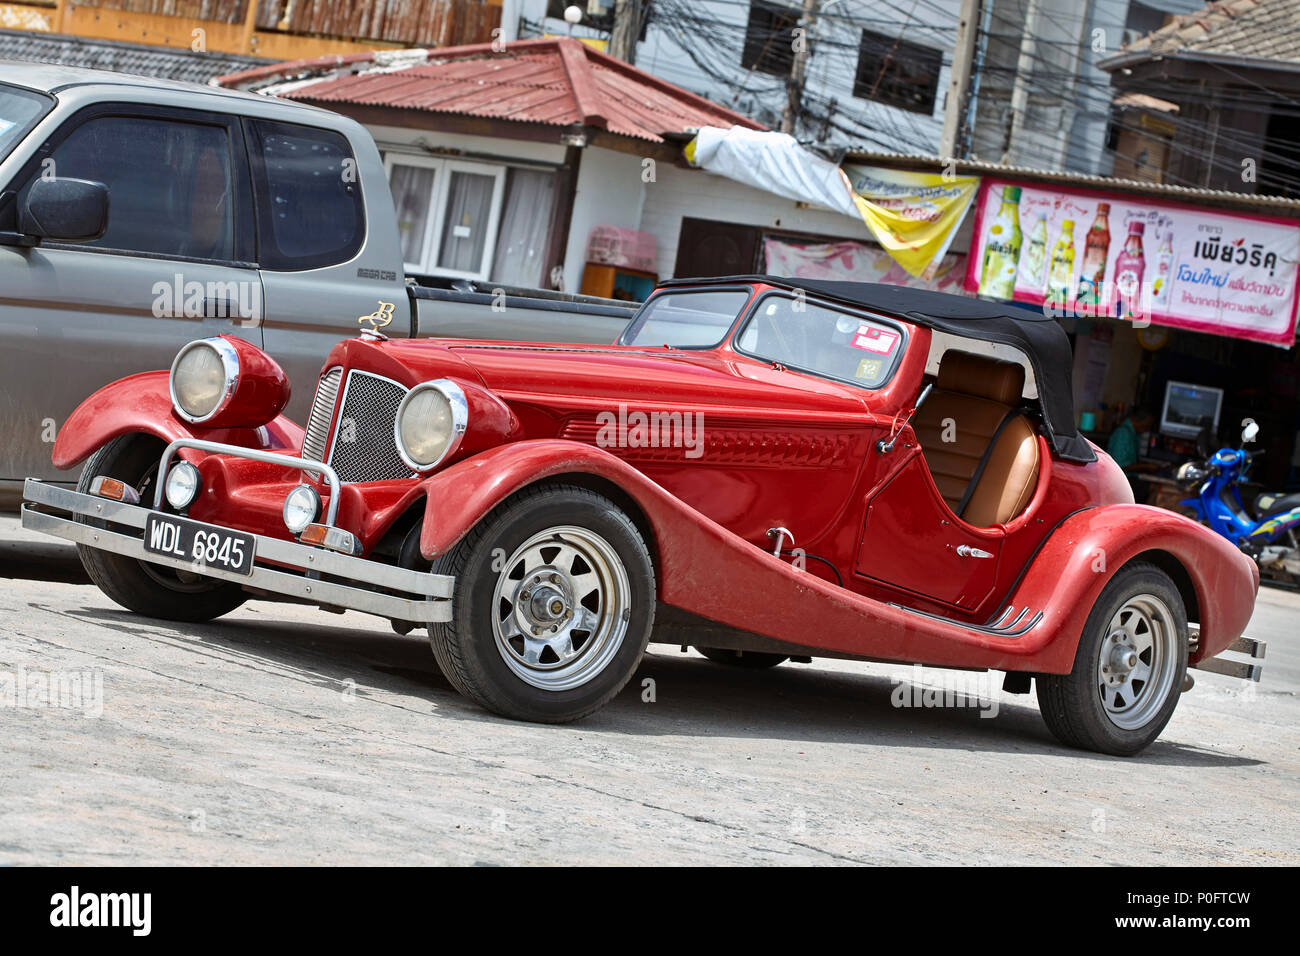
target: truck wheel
<point>1129,668</point>
<point>149,589</point>
<point>750,660</point>
<point>554,602</point>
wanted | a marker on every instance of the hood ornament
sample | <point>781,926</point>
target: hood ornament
<point>378,319</point>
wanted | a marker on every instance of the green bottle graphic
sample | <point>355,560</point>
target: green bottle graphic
<point>1002,248</point>
<point>1062,271</point>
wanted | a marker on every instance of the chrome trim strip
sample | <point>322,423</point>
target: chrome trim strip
<point>270,457</point>
<point>1004,630</point>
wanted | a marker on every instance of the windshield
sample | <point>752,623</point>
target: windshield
<point>821,340</point>
<point>687,320</point>
<point>19,111</point>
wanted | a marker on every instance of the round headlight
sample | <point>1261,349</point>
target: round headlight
<point>301,508</point>
<point>182,485</point>
<point>203,378</point>
<point>430,422</point>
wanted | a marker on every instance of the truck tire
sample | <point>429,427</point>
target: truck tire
<point>748,660</point>
<point>148,589</point>
<point>553,605</point>
<point>1128,670</point>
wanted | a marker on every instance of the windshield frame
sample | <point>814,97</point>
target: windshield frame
<point>751,313</point>
<point>40,96</point>
<point>638,320</point>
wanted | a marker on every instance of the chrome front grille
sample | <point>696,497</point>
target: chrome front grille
<point>316,440</point>
<point>364,448</point>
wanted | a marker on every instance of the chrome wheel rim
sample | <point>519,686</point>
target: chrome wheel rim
<point>1137,661</point>
<point>561,607</point>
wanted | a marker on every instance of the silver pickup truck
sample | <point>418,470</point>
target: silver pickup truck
<point>137,215</point>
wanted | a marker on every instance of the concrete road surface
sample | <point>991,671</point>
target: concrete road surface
<point>287,735</point>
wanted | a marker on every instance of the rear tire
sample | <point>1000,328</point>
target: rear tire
<point>1128,670</point>
<point>747,660</point>
<point>554,603</point>
<point>149,589</point>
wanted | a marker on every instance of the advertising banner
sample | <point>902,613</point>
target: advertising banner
<point>913,215</point>
<point>856,262</point>
<point>1093,254</point>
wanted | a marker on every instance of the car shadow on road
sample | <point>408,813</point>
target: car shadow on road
<point>692,697</point>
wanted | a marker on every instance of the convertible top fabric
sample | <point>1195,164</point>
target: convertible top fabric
<point>1039,337</point>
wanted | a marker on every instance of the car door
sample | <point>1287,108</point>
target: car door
<point>175,264</point>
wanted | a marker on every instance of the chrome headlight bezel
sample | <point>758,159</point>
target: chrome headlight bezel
<point>186,471</point>
<point>314,510</point>
<point>230,366</point>
<point>459,406</point>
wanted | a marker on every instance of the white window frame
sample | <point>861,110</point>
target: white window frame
<point>443,170</point>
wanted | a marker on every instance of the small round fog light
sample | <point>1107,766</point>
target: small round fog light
<point>301,508</point>
<point>182,485</point>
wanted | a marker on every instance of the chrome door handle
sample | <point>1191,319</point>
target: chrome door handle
<point>966,551</point>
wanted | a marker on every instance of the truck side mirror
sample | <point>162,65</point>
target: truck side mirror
<point>1249,432</point>
<point>73,210</point>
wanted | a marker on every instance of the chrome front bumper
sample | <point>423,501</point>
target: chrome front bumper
<point>294,570</point>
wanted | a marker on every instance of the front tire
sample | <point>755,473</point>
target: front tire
<point>553,606</point>
<point>148,589</point>
<point>1128,670</point>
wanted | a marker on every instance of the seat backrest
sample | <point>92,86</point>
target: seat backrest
<point>982,452</point>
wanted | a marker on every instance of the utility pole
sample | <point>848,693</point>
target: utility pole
<point>799,69</point>
<point>627,28</point>
<point>963,55</point>
<point>1020,89</point>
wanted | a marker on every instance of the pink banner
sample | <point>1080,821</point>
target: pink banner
<point>1090,253</point>
<point>855,262</point>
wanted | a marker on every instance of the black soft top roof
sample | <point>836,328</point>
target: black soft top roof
<point>1038,336</point>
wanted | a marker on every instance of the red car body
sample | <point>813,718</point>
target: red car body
<point>780,449</point>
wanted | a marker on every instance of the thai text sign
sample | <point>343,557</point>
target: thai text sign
<point>1093,254</point>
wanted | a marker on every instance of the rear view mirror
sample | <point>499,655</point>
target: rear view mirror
<point>1249,431</point>
<point>74,210</point>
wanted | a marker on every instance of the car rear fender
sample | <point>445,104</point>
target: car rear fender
<point>1218,582</point>
<point>142,404</point>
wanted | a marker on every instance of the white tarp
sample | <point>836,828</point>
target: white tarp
<point>775,163</point>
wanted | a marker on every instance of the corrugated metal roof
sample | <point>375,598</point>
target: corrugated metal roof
<point>1279,205</point>
<point>132,58</point>
<point>1262,30</point>
<point>556,81</point>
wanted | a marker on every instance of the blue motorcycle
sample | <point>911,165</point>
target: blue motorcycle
<point>1267,532</point>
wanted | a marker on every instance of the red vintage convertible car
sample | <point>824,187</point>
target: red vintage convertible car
<point>756,468</point>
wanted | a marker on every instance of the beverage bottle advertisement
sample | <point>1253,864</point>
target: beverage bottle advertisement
<point>1087,254</point>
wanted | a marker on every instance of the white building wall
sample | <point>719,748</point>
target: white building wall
<point>692,193</point>
<point>610,193</point>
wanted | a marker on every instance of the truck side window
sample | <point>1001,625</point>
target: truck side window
<point>310,211</point>
<point>170,186</point>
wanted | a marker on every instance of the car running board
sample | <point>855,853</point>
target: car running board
<point>1010,623</point>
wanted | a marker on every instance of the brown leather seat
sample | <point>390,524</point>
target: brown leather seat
<point>981,450</point>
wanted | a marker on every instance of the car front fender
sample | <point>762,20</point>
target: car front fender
<point>142,404</point>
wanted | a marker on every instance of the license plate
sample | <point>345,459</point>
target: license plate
<point>203,545</point>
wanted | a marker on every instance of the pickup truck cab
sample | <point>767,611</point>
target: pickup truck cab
<point>138,214</point>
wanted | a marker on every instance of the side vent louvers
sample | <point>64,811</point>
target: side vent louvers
<point>322,410</point>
